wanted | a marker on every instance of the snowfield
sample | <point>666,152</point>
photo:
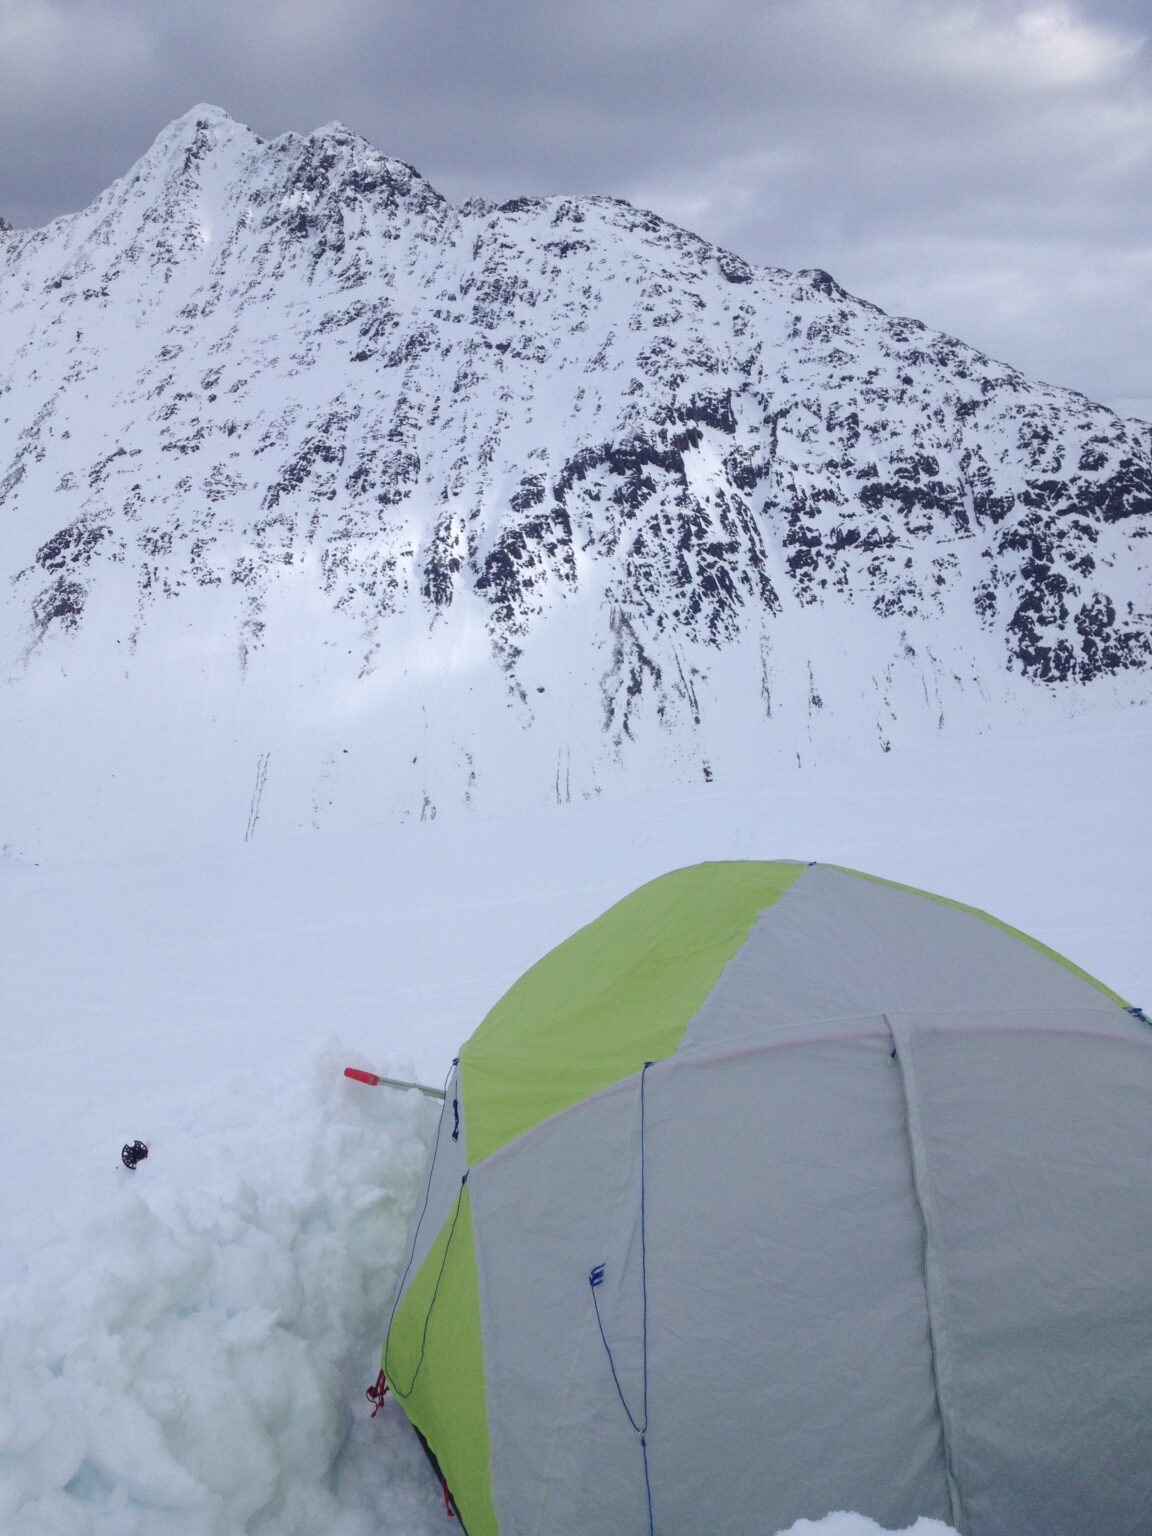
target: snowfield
<point>185,1348</point>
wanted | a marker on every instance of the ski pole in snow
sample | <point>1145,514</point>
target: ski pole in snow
<point>374,1081</point>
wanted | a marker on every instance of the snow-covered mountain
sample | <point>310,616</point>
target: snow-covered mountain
<point>318,491</point>
<point>327,505</point>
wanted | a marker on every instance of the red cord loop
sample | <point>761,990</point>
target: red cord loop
<point>377,1393</point>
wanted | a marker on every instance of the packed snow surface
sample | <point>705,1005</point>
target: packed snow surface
<point>842,1523</point>
<point>185,1348</point>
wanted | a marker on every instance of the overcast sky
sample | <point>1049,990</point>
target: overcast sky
<point>983,165</point>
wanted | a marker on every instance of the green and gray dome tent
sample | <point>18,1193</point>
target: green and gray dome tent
<point>779,1189</point>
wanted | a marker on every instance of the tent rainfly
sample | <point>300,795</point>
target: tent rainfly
<point>780,1189</point>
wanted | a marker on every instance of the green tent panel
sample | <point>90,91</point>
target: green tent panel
<point>781,1189</point>
<point>618,993</point>
<point>442,1305</point>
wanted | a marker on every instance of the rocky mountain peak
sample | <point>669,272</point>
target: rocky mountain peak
<point>631,495</point>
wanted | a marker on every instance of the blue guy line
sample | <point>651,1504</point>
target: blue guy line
<point>405,1392</point>
<point>412,1252</point>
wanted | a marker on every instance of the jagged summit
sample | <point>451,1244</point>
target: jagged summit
<point>203,115</point>
<point>339,133</point>
<point>201,131</point>
<point>553,480</point>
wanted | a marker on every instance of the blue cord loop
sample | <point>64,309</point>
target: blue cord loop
<point>1138,1013</point>
<point>596,1280</point>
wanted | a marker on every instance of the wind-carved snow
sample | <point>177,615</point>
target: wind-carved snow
<point>553,482</point>
<point>184,1360</point>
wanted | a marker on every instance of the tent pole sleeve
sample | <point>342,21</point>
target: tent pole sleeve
<point>935,1287</point>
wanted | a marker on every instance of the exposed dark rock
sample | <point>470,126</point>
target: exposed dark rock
<point>347,379</point>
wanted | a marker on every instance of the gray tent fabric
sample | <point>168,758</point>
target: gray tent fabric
<point>837,945</point>
<point>877,1236</point>
<point>562,1451</point>
<point>1033,1140</point>
<point>827,1233</point>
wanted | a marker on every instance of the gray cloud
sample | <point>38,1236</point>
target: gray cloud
<point>983,164</point>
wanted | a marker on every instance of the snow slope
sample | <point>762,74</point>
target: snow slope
<point>325,501</point>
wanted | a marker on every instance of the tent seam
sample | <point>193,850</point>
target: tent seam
<point>734,1043</point>
<point>935,1292</point>
<point>784,1041</point>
